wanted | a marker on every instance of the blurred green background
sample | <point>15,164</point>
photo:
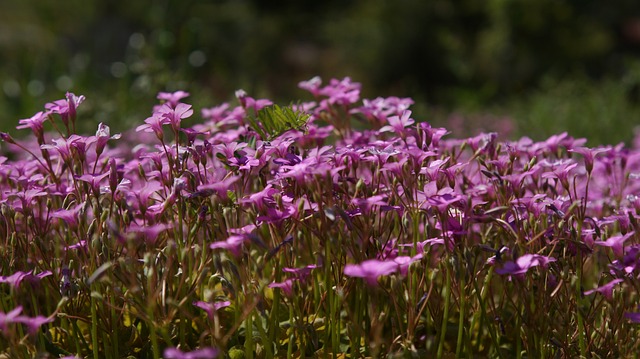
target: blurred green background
<point>519,67</point>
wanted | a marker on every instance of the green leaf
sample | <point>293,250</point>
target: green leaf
<point>274,120</point>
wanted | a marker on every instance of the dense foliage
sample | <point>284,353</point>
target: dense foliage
<point>286,231</point>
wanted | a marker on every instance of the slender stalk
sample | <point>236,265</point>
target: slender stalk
<point>463,299</point>
<point>94,329</point>
<point>446,293</point>
<point>248,340</point>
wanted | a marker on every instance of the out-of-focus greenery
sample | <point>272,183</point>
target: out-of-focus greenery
<point>536,61</point>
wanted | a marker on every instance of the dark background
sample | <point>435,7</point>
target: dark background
<point>520,67</point>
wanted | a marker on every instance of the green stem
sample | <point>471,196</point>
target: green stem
<point>462,299</point>
<point>248,341</point>
<point>445,316</point>
<point>578,289</point>
<point>94,329</point>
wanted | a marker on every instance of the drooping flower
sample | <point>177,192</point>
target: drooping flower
<point>616,243</point>
<point>204,353</point>
<point>16,279</point>
<point>606,289</point>
<point>633,316</point>
<point>233,244</point>
<point>103,134</point>
<point>35,123</point>
<point>154,124</point>
<point>525,262</point>
<point>286,286</point>
<point>172,98</point>
<point>14,317</point>
<point>370,270</point>
<point>9,318</point>
<point>211,308</point>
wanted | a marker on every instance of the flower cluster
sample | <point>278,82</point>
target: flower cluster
<point>319,240</point>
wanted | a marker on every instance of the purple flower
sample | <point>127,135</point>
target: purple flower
<point>66,108</point>
<point>220,188</point>
<point>524,263</point>
<point>312,85</point>
<point>633,316</point>
<point>154,124</point>
<point>33,324</point>
<point>68,216</point>
<point>93,180</point>
<point>616,243</point>
<point>149,233</point>
<point>204,353</point>
<point>259,199</point>
<point>103,134</point>
<point>211,308</point>
<point>35,123</point>
<point>233,244</point>
<point>606,290</point>
<point>300,272</point>
<point>397,124</point>
<point>14,317</point>
<point>18,277</point>
<point>172,98</point>
<point>370,270</point>
<point>9,318</point>
<point>286,286</point>
<point>589,155</point>
<point>174,116</point>
<point>366,204</point>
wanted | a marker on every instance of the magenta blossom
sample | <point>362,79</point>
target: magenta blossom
<point>18,277</point>
<point>524,263</point>
<point>14,317</point>
<point>370,270</point>
<point>397,124</point>
<point>172,98</point>
<point>633,317</point>
<point>35,123</point>
<point>211,308</point>
<point>233,244</point>
<point>606,290</point>
<point>174,116</point>
<point>286,286</point>
<point>205,353</point>
<point>616,243</point>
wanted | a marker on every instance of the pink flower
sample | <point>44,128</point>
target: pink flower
<point>103,134</point>
<point>312,85</point>
<point>18,277</point>
<point>397,124</point>
<point>205,353</point>
<point>174,116</point>
<point>66,108</point>
<point>370,270</point>
<point>172,98</point>
<point>633,317</point>
<point>154,124</point>
<point>211,308</point>
<point>35,123</point>
<point>286,286</point>
<point>606,290</point>
<point>524,263</point>
<point>233,244</point>
<point>616,243</point>
<point>68,216</point>
<point>93,180</point>
<point>14,317</point>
